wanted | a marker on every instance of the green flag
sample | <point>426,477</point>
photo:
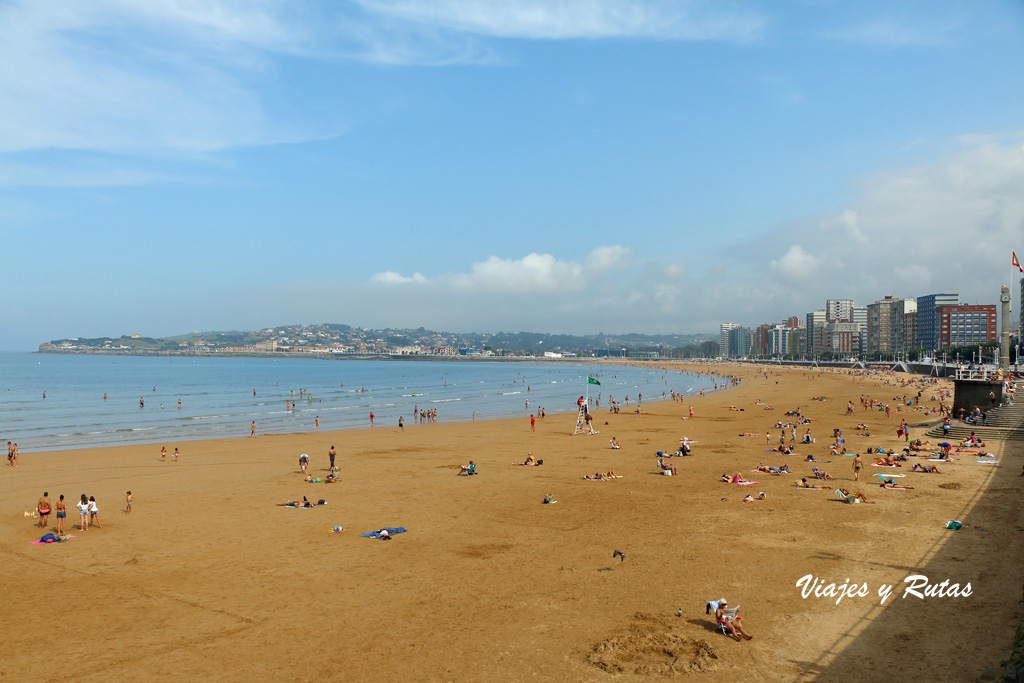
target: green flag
<point>591,380</point>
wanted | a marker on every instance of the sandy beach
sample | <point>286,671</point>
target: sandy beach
<point>208,579</point>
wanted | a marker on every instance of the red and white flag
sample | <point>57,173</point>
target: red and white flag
<point>1015,262</point>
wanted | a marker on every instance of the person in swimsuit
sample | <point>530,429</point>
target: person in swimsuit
<point>83,512</point>
<point>128,502</point>
<point>857,465</point>
<point>62,514</point>
<point>303,462</point>
<point>330,454</point>
<point>401,423</point>
<point>175,454</point>
<point>43,506</point>
<point>163,453</point>
<point>94,513</point>
<point>734,626</point>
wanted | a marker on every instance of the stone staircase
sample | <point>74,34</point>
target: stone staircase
<point>1004,422</point>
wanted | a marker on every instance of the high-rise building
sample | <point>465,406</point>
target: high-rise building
<point>739,342</point>
<point>966,325</point>
<point>723,338</point>
<point>812,342</point>
<point>885,325</point>
<point>909,334</point>
<point>842,338</point>
<point>928,322</point>
<point>839,309</point>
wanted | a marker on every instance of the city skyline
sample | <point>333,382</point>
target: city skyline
<point>575,167</point>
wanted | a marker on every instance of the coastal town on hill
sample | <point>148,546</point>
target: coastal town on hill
<point>931,327</point>
<point>336,340</point>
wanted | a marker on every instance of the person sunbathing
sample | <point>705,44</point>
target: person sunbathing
<point>298,503</point>
<point>763,468</point>
<point>810,458</point>
<point>894,485</point>
<point>601,476</point>
<point>859,495</point>
<point>804,484</point>
<point>530,461</point>
<point>821,474</point>
<point>468,469</point>
<point>614,443</point>
<point>668,467</point>
<point>931,469</point>
<point>739,479</point>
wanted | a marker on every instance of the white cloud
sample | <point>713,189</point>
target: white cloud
<point>539,19</point>
<point>390,277</point>
<point>604,259</point>
<point>796,265</point>
<point>531,274</point>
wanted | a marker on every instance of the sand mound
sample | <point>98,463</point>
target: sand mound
<point>650,647</point>
<point>952,486</point>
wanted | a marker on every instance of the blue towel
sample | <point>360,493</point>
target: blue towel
<point>392,530</point>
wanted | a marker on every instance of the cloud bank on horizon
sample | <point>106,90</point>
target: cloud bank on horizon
<point>572,166</point>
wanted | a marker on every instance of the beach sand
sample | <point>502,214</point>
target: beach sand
<point>207,579</point>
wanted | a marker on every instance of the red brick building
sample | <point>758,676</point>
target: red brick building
<point>966,325</point>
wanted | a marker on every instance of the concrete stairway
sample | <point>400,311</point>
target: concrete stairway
<point>1004,422</point>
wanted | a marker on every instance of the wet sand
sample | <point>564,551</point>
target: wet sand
<point>207,579</point>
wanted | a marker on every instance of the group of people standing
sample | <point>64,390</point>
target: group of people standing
<point>88,511</point>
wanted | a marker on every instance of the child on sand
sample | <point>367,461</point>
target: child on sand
<point>128,502</point>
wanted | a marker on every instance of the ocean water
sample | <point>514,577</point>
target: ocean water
<point>217,398</point>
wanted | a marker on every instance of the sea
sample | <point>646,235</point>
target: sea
<point>61,401</point>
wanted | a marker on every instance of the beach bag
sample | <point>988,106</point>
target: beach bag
<point>954,525</point>
<point>49,538</point>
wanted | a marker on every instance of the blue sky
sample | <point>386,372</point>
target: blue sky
<point>574,166</point>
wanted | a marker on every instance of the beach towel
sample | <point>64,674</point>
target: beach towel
<point>745,483</point>
<point>392,530</point>
<point>53,539</point>
<point>890,476</point>
<point>940,459</point>
<point>989,462</point>
<point>875,464</point>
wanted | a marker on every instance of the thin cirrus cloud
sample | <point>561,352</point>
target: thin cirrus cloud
<point>571,19</point>
<point>151,78</point>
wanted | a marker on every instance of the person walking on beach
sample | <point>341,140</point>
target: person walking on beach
<point>10,454</point>
<point>62,515</point>
<point>371,418</point>
<point>533,423</point>
<point>163,454</point>
<point>83,512</point>
<point>128,502</point>
<point>174,455</point>
<point>857,465</point>
<point>330,454</point>
<point>401,423</point>
<point>94,513</point>
<point>43,507</point>
<point>252,428</point>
